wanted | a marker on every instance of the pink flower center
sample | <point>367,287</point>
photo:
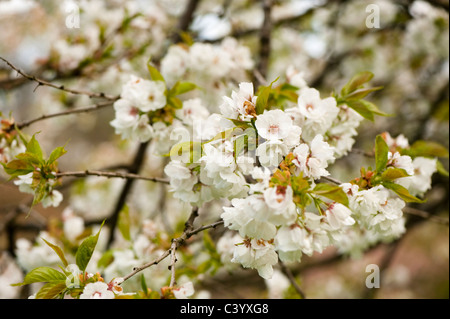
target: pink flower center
<point>273,129</point>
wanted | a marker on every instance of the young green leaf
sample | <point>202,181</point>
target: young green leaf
<point>86,249</point>
<point>402,192</point>
<point>42,274</point>
<point>356,82</point>
<point>362,109</point>
<point>182,87</point>
<point>33,147</point>
<point>154,73</point>
<point>392,173</point>
<point>361,93</point>
<point>51,290</point>
<point>56,153</point>
<point>441,169</point>
<point>381,153</point>
<point>332,192</point>
<point>124,222</point>
<point>58,251</point>
<point>426,149</point>
<point>263,97</point>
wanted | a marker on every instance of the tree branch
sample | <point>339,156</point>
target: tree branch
<point>291,278</point>
<point>87,109</point>
<point>111,175</point>
<point>185,20</point>
<point>188,232</point>
<point>264,42</point>
<point>42,82</point>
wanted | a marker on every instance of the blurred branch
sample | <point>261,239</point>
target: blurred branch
<point>183,25</point>
<point>42,82</point>
<point>111,175</point>
<point>134,169</point>
<point>264,42</point>
<point>185,20</point>
<point>87,109</point>
<point>188,232</point>
<point>291,278</point>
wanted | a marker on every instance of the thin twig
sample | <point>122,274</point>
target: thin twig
<point>265,41</point>
<point>173,260</point>
<point>86,109</point>
<point>111,175</point>
<point>426,215</point>
<point>291,278</point>
<point>176,242</point>
<point>42,82</point>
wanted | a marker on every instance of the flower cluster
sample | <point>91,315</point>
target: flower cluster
<point>273,195</point>
<point>138,98</point>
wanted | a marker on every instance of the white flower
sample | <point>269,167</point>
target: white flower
<point>257,254</point>
<point>313,160</point>
<point>278,197</point>
<point>181,177</point>
<point>193,110</point>
<point>273,125</point>
<point>420,182</point>
<point>290,241</point>
<point>393,143</point>
<point>295,77</point>
<point>271,153</point>
<point>208,60</point>
<point>129,123</point>
<point>339,216</point>
<point>73,225</point>
<point>174,63</point>
<point>184,291</point>
<point>401,161</point>
<point>277,285</point>
<point>25,182</point>
<point>144,94</point>
<point>241,103</point>
<point>318,113</point>
<point>97,290</point>
<point>250,216</point>
<point>52,198</point>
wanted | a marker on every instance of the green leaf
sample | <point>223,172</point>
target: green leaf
<point>332,192</point>
<point>393,173</point>
<point>361,93</point>
<point>361,109</point>
<point>58,251</point>
<point>402,192</point>
<point>39,192</point>
<point>426,149</point>
<point>124,222</point>
<point>154,73</point>
<point>42,274</point>
<point>182,87</point>
<point>175,102</point>
<point>56,153</point>
<point>381,153</point>
<point>17,167</point>
<point>263,97</point>
<point>144,284</point>
<point>51,290</point>
<point>33,147</point>
<point>441,169</point>
<point>86,249</point>
<point>356,82</point>
<point>30,158</point>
